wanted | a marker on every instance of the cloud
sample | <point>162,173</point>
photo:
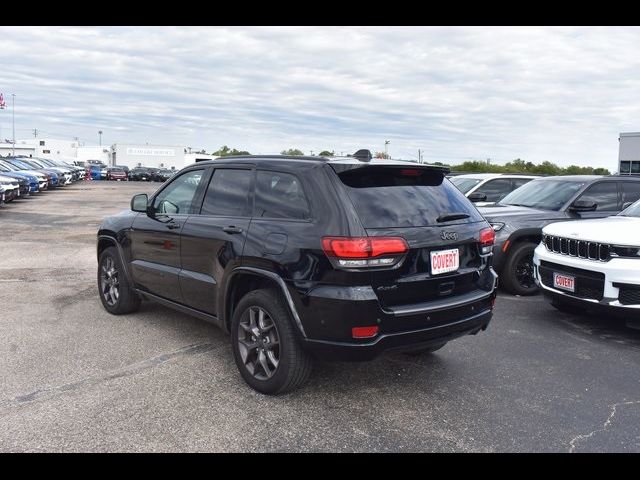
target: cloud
<point>558,94</point>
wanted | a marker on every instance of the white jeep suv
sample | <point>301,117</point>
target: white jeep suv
<point>592,264</point>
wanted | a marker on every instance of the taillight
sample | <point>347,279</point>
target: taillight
<point>364,332</point>
<point>357,252</point>
<point>487,238</point>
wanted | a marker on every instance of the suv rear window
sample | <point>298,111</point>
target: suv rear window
<point>404,197</point>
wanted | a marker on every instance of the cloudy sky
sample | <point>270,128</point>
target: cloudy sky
<point>558,94</point>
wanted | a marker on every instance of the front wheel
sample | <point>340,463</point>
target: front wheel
<point>517,275</point>
<point>116,294</point>
<point>265,348</point>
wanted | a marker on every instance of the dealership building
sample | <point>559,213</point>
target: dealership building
<point>629,153</point>
<point>130,155</point>
<point>162,156</point>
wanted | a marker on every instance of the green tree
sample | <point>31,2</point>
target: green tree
<point>225,151</point>
<point>520,166</point>
<point>576,170</point>
<point>292,151</point>
<point>548,168</point>
<point>327,153</point>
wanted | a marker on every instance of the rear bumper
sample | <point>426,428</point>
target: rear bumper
<point>425,337</point>
<point>328,313</point>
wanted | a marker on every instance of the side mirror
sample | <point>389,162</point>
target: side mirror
<point>477,197</point>
<point>583,206</point>
<point>626,205</point>
<point>139,202</point>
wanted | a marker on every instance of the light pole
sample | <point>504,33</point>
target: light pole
<point>386,142</point>
<point>13,120</point>
<point>100,136</point>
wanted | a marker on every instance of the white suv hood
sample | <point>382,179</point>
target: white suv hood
<point>617,230</point>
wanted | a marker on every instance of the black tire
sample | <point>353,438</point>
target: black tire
<point>566,307</point>
<point>517,274</point>
<point>126,300</point>
<point>424,351</point>
<point>294,364</point>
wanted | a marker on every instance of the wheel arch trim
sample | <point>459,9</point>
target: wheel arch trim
<point>271,276</point>
<point>115,242</point>
<point>523,233</point>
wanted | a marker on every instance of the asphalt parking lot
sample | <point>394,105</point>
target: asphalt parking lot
<point>75,378</point>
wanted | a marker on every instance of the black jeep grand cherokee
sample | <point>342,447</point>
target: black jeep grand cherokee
<point>302,257</point>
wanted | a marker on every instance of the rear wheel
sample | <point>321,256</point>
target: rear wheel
<point>425,351</point>
<point>116,294</point>
<point>265,348</point>
<point>517,275</point>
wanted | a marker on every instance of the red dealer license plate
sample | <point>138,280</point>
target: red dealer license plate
<point>444,261</point>
<point>564,282</point>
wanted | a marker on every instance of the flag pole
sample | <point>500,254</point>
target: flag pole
<point>13,121</point>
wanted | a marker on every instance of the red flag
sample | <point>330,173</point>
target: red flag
<point>2,104</point>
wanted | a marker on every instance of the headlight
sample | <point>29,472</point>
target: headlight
<point>625,251</point>
<point>497,226</point>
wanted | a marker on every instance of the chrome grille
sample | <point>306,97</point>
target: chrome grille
<point>600,252</point>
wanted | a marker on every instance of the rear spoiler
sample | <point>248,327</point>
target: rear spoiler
<point>344,166</point>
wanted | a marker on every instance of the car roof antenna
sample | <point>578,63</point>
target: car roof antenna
<point>363,155</point>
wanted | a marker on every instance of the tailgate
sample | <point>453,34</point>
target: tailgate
<point>414,281</point>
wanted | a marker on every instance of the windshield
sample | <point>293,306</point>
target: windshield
<point>19,165</point>
<point>33,163</point>
<point>543,194</point>
<point>631,210</point>
<point>8,166</point>
<point>465,184</point>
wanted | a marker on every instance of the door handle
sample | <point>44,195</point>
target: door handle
<point>173,226</point>
<point>232,229</point>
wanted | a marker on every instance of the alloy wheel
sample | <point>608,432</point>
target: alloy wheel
<point>524,272</point>
<point>259,343</point>
<point>109,284</point>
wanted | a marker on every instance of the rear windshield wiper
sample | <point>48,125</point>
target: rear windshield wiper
<point>447,217</point>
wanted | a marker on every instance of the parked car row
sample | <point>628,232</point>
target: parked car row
<point>150,174</point>
<point>22,176</point>
<point>592,264</point>
<point>97,170</point>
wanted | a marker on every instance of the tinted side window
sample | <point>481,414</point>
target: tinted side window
<point>495,189</point>
<point>630,191</point>
<point>228,193</point>
<point>518,182</point>
<point>280,195</point>
<point>177,196</point>
<point>604,194</point>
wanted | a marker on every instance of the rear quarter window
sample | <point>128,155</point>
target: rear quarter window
<point>386,197</point>
<point>280,195</point>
